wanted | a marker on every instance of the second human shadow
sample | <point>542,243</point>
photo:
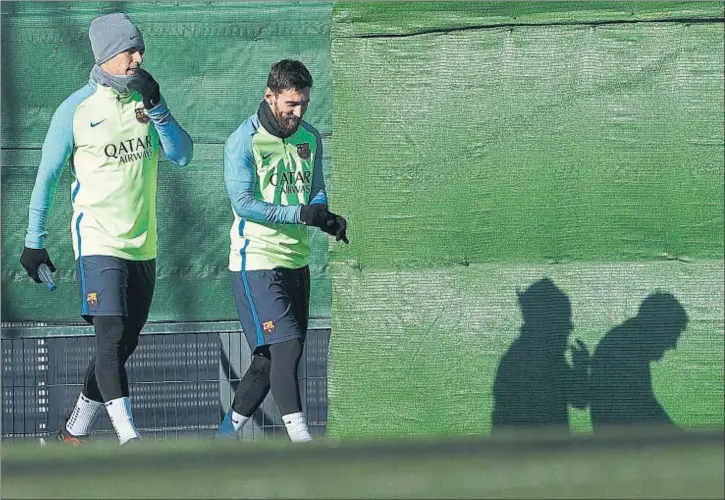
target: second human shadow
<point>534,382</point>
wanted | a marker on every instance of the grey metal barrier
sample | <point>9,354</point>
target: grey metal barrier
<point>182,379</point>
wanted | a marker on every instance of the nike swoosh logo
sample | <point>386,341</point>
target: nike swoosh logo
<point>264,157</point>
<point>235,421</point>
<point>97,123</point>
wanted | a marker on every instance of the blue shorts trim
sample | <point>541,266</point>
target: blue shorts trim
<point>272,304</point>
<point>111,286</point>
<point>255,316</point>
<point>84,304</point>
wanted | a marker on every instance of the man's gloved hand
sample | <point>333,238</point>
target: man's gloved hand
<point>336,225</point>
<point>144,84</point>
<point>32,258</point>
<point>314,215</point>
<point>317,215</point>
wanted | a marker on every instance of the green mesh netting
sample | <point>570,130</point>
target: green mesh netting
<point>481,147</point>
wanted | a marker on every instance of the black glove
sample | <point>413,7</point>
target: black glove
<point>144,84</point>
<point>317,215</point>
<point>32,258</point>
<point>336,225</point>
<point>314,215</point>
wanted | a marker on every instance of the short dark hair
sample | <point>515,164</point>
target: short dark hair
<point>288,74</point>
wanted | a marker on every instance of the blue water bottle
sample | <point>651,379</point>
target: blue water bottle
<point>46,276</point>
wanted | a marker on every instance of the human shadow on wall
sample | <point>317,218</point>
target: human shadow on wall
<point>621,381</point>
<point>534,382</point>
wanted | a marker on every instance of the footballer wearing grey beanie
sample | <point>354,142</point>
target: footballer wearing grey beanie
<point>112,34</point>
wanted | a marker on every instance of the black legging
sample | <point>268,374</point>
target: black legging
<point>273,366</point>
<point>116,339</point>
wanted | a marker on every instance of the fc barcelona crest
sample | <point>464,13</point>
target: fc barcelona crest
<point>141,116</point>
<point>268,327</point>
<point>304,151</point>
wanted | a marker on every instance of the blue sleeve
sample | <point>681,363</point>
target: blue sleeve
<point>240,178</point>
<point>57,148</point>
<point>176,143</point>
<point>317,194</point>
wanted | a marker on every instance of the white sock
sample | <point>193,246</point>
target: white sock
<point>119,411</point>
<point>238,421</point>
<point>82,417</point>
<point>297,427</point>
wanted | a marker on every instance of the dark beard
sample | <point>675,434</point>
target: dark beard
<point>287,126</point>
<point>273,125</point>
